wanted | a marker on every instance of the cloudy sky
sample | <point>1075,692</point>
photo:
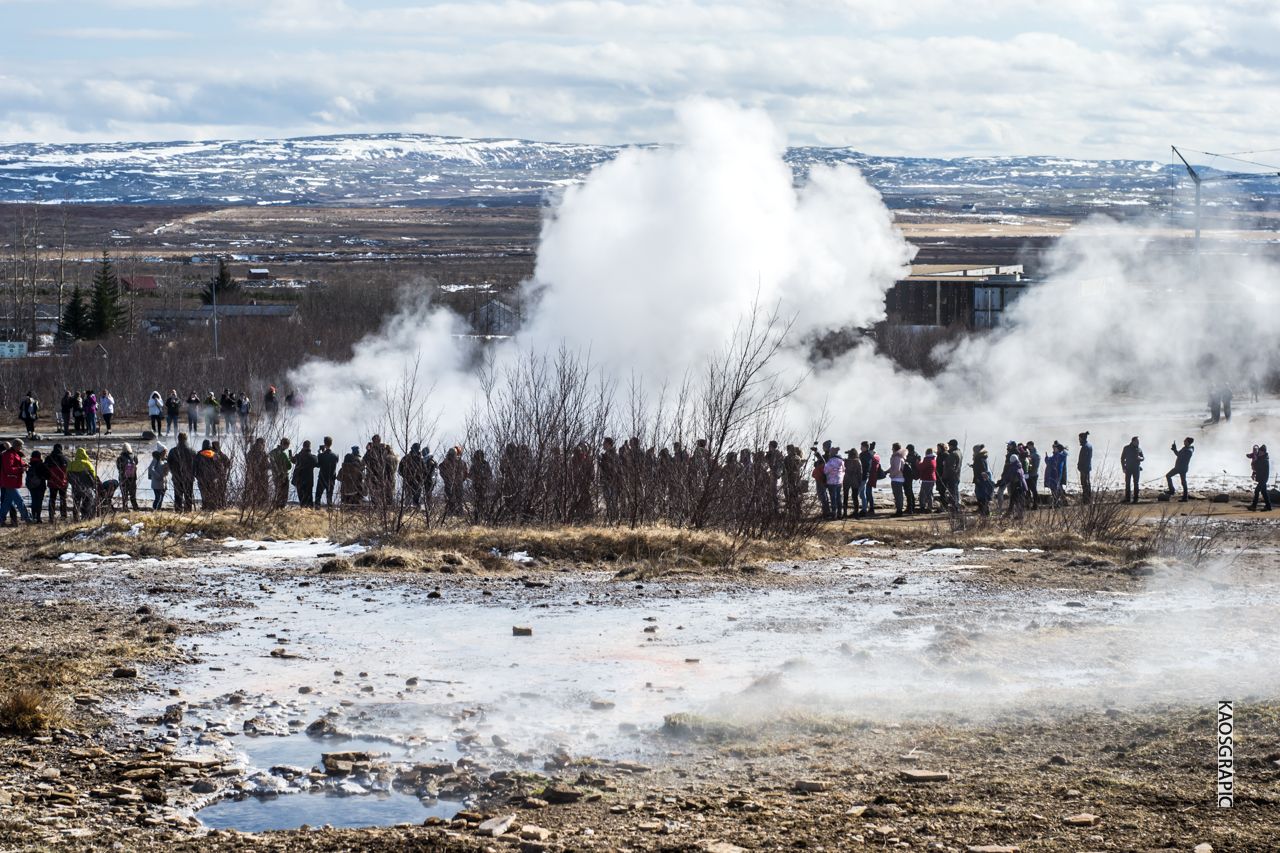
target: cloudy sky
<point>1096,78</point>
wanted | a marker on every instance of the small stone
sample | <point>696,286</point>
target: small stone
<point>917,777</point>
<point>203,786</point>
<point>650,826</point>
<point>535,803</point>
<point>722,847</point>
<point>812,786</point>
<point>991,848</point>
<point>1059,760</point>
<point>496,826</point>
<point>529,832</point>
<point>517,631</point>
<point>124,672</point>
<point>1082,819</point>
<point>1205,847</point>
<point>561,794</point>
<point>602,705</point>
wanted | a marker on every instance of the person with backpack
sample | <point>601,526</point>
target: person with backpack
<point>56,464</point>
<point>28,411</point>
<point>155,412</point>
<point>1014,480</point>
<point>127,468</point>
<point>83,478</point>
<point>909,476</point>
<point>13,471</point>
<point>37,483</point>
<point>852,492</point>
<point>158,474</point>
<point>1260,465</point>
<point>1181,464</point>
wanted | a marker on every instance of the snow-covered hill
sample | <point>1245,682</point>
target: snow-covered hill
<point>416,168</point>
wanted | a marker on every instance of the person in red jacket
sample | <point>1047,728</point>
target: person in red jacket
<point>13,470</point>
<point>927,470</point>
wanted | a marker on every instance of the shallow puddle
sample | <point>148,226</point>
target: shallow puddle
<point>262,814</point>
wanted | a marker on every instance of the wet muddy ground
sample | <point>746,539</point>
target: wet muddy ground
<point>784,707</point>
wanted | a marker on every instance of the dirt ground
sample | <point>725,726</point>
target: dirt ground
<point>1052,779</point>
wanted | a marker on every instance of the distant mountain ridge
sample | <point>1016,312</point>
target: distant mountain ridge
<point>398,168</point>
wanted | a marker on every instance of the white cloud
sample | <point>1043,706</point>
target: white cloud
<point>1093,78</point>
<point>117,34</point>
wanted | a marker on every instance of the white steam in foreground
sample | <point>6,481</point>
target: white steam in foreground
<point>649,264</point>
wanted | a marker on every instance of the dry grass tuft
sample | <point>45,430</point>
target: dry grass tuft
<point>27,711</point>
<point>652,548</point>
<point>392,558</point>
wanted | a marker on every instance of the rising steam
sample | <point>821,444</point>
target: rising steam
<point>650,262</point>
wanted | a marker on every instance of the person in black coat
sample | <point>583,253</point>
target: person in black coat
<point>304,474</point>
<point>1181,464</point>
<point>182,470</point>
<point>327,467</point>
<point>1131,459</point>
<point>1261,464</point>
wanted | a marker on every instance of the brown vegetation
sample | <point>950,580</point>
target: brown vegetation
<point>28,710</point>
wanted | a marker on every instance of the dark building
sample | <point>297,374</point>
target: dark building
<point>937,295</point>
<point>495,319</point>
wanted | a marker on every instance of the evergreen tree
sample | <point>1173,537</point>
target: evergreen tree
<point>75,317</point>
<point>222,283</point>
<point>106,313</point>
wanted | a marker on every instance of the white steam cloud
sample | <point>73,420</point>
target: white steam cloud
<point>649,264</point>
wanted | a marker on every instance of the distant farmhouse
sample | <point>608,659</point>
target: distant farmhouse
<point>139,283</point>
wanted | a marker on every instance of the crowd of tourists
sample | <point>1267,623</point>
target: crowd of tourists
<point>90,412</point>
<point>613,482</point>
